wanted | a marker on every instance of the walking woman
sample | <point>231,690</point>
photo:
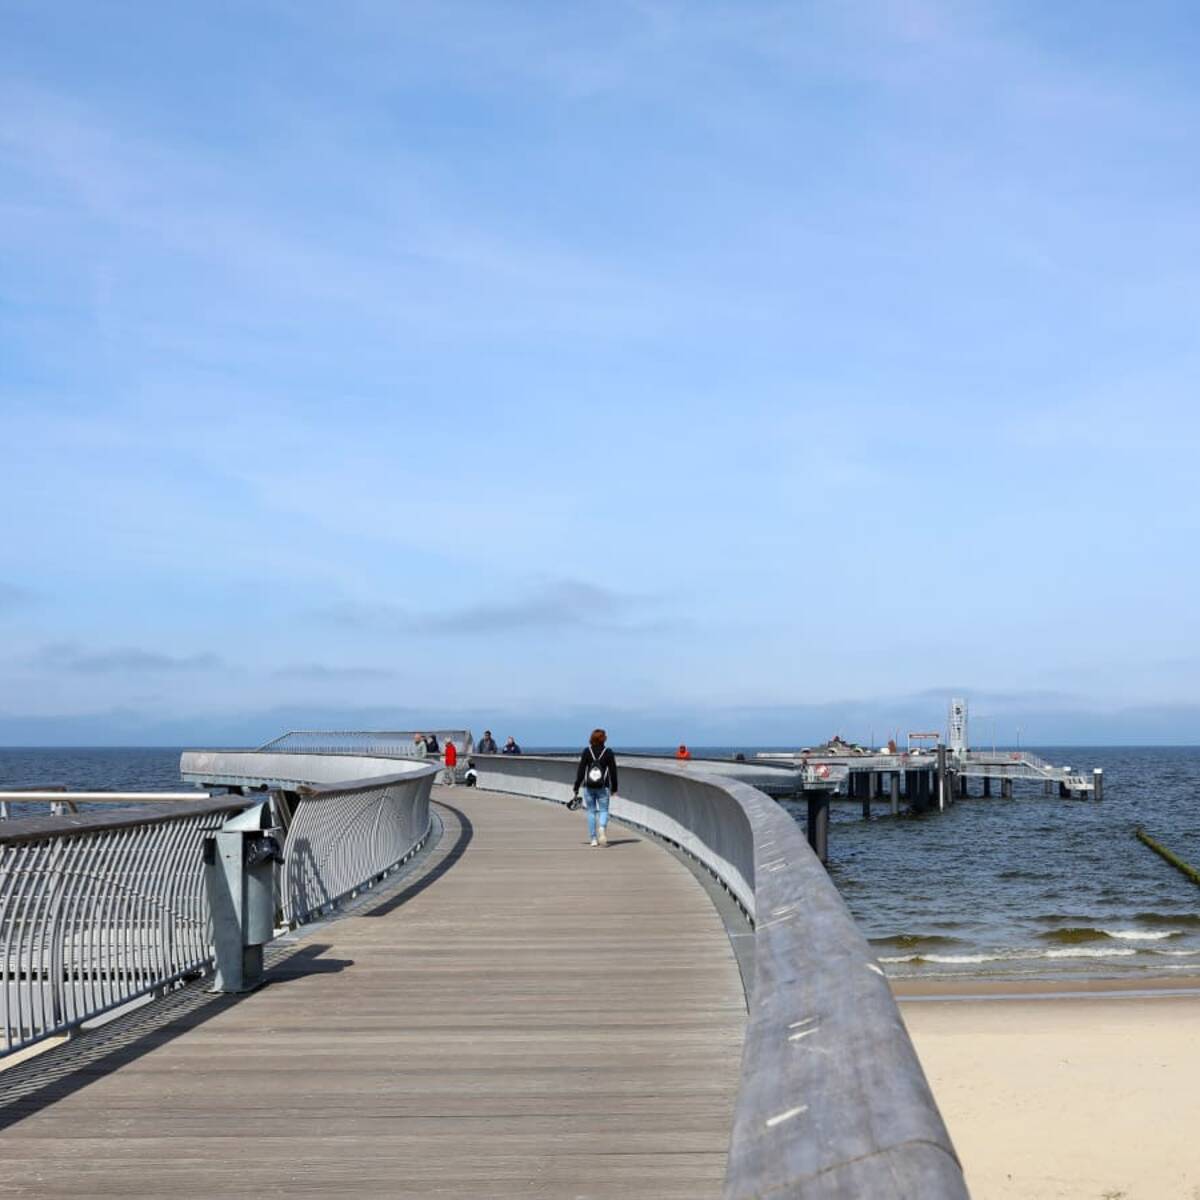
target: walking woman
<point>598,774</point>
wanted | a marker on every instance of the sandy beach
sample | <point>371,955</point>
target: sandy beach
<point>1086,1089</point>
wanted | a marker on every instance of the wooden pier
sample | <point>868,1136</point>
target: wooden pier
<point>523,1017</point>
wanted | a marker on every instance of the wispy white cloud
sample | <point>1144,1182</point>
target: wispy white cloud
<point>324,673</point>
<point>556,606</point>
<point>123,661</point>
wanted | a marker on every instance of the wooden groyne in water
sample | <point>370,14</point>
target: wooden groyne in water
<point>1184,868</point>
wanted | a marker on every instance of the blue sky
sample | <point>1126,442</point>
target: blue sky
<point>728,367</point>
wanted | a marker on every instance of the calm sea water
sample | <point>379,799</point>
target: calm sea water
<point>1034,886</point>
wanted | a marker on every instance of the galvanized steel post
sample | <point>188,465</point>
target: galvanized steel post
<point>239,862</point>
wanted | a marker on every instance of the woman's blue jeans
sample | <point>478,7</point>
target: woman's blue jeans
<point>595,800</point>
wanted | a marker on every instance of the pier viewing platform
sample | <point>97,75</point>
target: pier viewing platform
<point>460,997</point>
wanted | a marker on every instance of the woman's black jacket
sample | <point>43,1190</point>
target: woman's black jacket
<point>606,760</point>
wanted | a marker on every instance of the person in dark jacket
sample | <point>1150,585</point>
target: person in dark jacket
<point>511,747</point>
<point>487,744</point>
<point>597,773</point>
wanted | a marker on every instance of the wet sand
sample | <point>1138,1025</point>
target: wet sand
<point>1079,1089</point>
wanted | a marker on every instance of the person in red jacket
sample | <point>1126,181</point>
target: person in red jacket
<point>683,752</point>
<point>451,759</point>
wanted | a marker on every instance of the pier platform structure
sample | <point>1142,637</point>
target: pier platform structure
<point>464,999</point>
<point>879,775</point>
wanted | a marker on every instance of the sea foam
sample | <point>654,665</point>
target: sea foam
<point>1141,935</point>
<point>1081,952</point>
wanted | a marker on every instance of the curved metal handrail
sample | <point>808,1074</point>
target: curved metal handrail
<point>354,819</point>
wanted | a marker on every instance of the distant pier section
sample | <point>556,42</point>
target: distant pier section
<point>933,771</point>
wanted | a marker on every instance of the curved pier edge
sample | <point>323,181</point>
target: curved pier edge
<point>833,1101</point>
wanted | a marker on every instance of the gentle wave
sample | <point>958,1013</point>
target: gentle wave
<point>944,958</point>
<point>1032,955</point>
<point>909,941</point>
<point>1142,935</point>
<point>1082,952</point>
<point>1073,935</point>
<point>1153,918</point>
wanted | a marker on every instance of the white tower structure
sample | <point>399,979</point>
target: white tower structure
<point>957,730</point>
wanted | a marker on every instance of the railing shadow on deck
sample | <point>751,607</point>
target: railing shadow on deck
<point>30,1086</point>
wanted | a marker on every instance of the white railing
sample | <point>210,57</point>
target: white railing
<point>99,910</point>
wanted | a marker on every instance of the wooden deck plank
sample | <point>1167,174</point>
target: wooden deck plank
<point>543,1020</point>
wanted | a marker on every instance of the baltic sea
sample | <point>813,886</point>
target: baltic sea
<point>1032,887</point>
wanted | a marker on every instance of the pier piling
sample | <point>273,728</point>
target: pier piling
<point>895,793</point>
<point>1098,784</point>
<point>818,824</point>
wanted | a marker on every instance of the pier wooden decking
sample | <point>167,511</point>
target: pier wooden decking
<point>523,1017</point>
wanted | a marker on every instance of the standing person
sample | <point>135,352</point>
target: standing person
<point>598,773</point>
<point>431,743</point>
<point>487,743</point>
<point>683,752</point>
<point>511,747</point>
<point>451,759</point>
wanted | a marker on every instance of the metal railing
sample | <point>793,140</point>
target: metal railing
<point>350,818</point>
<point>832,1101</point>
<point>388,744</point>
<point>341,838</point>
<point>99,909</point>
